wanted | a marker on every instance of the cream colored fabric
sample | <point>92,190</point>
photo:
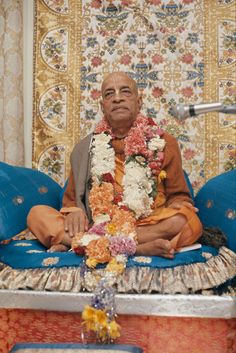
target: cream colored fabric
<point>11,82</point>
<point>180,279</point>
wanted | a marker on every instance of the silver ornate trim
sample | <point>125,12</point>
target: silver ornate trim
<point>177,305</point>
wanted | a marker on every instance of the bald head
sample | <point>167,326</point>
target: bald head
<point>120,75</point>
<point>121,102</point>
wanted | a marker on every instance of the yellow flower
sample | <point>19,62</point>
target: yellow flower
<point>110,331</point>
<point>103,334</point>
<point>92,263</point>
<point>113,329</point>
<point>162,175</point>
<point>88,313</point>
<point>116,267</point>
<point>97,321</point>
<point>111,228</point>
<point>94,319</point>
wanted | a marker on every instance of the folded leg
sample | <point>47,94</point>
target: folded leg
<point>47,224</point>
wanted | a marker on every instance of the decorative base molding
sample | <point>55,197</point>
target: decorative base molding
<point>128,304</point>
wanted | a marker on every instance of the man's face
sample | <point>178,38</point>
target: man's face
<point>120,100</point>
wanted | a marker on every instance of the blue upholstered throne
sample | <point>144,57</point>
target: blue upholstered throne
<point>21,188</point>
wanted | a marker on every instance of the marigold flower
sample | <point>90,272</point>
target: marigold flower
<point>97,320</point>
<point>162,175</point>
<point>123,220</point>
<point>94,318</point>
<point>114,329</point>
<point>111,331</point>
<point>99,250</point>
<point>100,198</point>
<point>116,267</point>
<point>111,228</point>
<point>91,263</point>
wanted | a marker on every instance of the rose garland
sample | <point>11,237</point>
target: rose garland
<point>112,238</point>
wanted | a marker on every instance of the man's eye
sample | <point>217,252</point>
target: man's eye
<point>108,94</point>
<point>126,91</point>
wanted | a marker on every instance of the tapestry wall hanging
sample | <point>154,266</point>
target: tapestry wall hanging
<point>179,52</point>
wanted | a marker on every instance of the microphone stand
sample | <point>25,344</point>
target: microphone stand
<point>183,111</point>
<point>212,107</point>
<point>229,109</point>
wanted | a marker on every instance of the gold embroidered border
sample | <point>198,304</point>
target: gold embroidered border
<point>215,134</point>
<point>45,77</point>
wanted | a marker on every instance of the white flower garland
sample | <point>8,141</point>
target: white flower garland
<point>138,181</point>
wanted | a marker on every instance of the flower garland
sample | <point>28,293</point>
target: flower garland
<point>112,238</point>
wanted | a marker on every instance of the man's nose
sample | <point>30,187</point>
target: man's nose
<point>117,96</point>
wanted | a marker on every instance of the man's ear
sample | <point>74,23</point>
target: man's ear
<point>140,102</point>
<point>101,105</point>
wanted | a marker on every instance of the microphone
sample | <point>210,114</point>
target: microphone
<point>184,111</point>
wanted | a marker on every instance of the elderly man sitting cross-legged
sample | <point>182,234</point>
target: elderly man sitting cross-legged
<point>159,198</point>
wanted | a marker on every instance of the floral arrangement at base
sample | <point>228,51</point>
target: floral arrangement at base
<point>113,238</point>
<point>99,317</point>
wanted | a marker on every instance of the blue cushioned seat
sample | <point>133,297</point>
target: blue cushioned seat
<point>216,201</point>
<point>20,189</point>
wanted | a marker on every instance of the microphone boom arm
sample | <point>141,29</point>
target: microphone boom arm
<point>213,107</point>
<point>184,111</point>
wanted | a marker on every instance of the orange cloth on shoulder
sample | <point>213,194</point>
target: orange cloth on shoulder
<point>160,212</point>
<point>48,224</point>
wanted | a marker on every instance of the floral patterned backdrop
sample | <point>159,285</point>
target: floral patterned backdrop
<point>178,51</point>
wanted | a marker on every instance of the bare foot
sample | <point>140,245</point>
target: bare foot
<point>58,248</point>
<point>158,247</point>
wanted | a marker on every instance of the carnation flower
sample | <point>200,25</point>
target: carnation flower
<point>122,245</point>
<point>102,218</point>
<point>103,157</point>
<point>101,139</point>
<point>98,229</point>
<point>103,126</point>
<point>135,173</point>
<point>81,240</point>
<point>156,144</point>
<point>108,178</point>
<point>123,220</point>
<point>100,199</point>
<point>135,143</point>
<point>118,198</point>
<point>99,250</point>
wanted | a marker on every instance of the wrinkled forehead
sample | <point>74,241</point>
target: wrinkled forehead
<point>117,80</point>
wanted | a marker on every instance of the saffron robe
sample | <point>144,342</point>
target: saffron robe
<point>48,224</point>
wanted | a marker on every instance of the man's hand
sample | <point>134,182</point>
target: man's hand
<point>76,222</point>
<point>178,204</point>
